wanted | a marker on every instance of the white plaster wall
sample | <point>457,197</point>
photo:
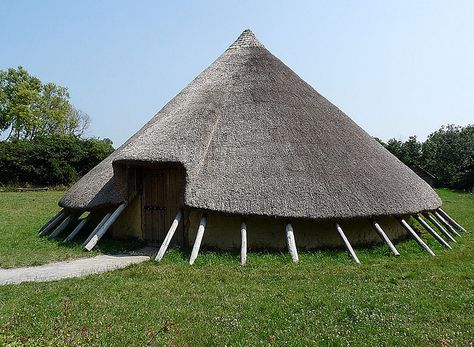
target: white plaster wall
<point>223,231</point>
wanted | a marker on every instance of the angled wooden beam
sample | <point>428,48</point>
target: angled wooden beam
<point>97,228</point>
<point>197,242</point>
<point>169,236</point>
<point>77,229</point>
<point>54,222</point>
<point>103,229</point>
<point>243,244</point>
<point>438,226</point>
<point>347,243</point>
<point>431,231</point>
<point>378,229</point>
<point>418,239</point>
<point>64,224</point>
<point>49,222</point>
<point>290,242</point>
<point>446,224</point>
<point>451,220</point>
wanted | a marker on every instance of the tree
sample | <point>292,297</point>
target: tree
<point>29,108</point>
<point>395,147</point>
<point>411,151</point>
<point>79,122</point>
<point>19,101</point>
<point>449,154</point>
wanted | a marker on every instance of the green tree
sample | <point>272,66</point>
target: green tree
<point>449,155</point>
<point>411,151</point>
<point>20,96</point>
<point>29,108</point>
<point>395,147</point>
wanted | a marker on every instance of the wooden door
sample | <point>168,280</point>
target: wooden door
<point>162,197</point>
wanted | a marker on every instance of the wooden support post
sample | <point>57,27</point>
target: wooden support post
<point>101,232</point>
<point>347,243</point>
<point>97,228</point>
<point>243,244</point>
<point>77,229</point>
<point>418,239</point>
<point>290,242</point>
<point>446,224</point>
<point>197,242</point>
<point>169,236</point>
<point>59,217</point>
<point>438,226</point>
<point>64,224</point>
<point>49,222</point>
<point>378,229</point>
<point>431,231</point>
<point>451,220</point>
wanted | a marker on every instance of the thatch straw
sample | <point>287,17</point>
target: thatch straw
<point>256,139</point>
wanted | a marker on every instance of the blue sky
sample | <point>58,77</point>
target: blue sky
<point>397,68</point>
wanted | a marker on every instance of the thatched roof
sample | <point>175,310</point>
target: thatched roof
<point>256,139</point>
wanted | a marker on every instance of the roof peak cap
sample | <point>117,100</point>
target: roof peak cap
<point>245,40</point>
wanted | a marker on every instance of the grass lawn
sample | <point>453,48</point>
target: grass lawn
<point>325,299</point>
<point>22,215</point>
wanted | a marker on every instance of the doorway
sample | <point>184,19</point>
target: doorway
<point>162,197</point>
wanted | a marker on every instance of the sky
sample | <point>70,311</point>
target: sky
<point>397,68</point>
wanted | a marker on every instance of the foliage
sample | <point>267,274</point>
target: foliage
<point>448,154</point>
<point>29,108</point>
<point>324,300</point>
<point>50,160</point>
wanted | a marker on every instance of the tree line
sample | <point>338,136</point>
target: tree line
<point>43,134</point>
<point>447,154</point>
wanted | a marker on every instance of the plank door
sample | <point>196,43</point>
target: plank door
<point>162,197</point>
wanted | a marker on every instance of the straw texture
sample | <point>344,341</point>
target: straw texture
<point>256,139</point>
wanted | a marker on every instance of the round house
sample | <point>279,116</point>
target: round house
<point>249,156</point>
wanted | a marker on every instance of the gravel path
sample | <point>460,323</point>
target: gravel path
<point>73,268</point>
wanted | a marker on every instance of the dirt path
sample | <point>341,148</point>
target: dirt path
<point>73,268</point>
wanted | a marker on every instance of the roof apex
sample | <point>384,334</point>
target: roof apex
<point>245,40</point>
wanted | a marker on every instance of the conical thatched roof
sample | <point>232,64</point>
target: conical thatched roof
<point>256,139</point>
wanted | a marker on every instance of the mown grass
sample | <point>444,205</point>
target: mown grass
<point>324,300</point>
<point>21,216</point>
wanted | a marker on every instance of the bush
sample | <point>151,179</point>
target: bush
<point>51,160</point>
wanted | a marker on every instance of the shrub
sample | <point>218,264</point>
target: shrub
<point>50,160</point>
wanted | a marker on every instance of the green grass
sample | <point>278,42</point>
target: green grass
<point>21,216</point>
<point>324,300</point>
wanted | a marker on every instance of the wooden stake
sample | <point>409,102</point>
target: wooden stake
<point>384,237</point>
<point>446,224</point>
<point>438,226</point>
<point>101,232</point>
<point>197,242</point>
<point>59,217</point>
<point>451,220</point>
<point>77,229</point>
<point>243,245</point>
<point>412,232</point>
<point>431,231</point>
<point>169,236</point>
<point>347,243</point>
<point>68,220</point>
<point>97,228</point>
<point>290,241</point>
<point>49,222</point>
